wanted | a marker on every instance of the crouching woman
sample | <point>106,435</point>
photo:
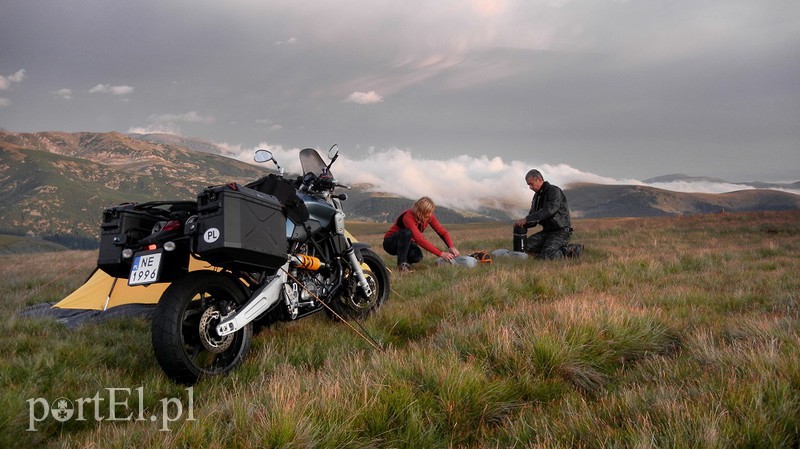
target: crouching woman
<point>405,240</point>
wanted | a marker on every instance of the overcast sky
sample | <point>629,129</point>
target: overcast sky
<point>610,89</point>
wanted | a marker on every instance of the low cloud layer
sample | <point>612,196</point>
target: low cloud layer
<point>462,182</point>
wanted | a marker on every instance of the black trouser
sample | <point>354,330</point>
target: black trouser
<point>399,244</point>
<point>546,244</point>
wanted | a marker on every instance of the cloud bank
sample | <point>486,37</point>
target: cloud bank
<point>462,182</point>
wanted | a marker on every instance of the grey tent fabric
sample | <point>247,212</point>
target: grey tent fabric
<point>74,318</point>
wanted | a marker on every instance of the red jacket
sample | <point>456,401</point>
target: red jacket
<point>410,222</point>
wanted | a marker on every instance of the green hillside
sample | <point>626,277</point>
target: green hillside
<point>61,196</point>
<point>10,244</point>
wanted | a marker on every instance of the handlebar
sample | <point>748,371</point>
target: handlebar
<point>311,182</point>
<point>324,183</point>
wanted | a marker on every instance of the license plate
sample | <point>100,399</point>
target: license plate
<point>145,269</point>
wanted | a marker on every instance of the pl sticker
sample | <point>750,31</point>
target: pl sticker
<point>211,235</point>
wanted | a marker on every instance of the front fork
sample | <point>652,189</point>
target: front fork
<point>350,252</point>
<point>356,265</point>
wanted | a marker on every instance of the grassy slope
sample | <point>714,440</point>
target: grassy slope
<point>58,195</point>
<point>669,332</point>
<point>11,244</point>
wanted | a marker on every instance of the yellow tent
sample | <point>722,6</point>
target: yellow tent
<point>102,291</point>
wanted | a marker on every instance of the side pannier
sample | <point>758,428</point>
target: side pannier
<point>240,228</point>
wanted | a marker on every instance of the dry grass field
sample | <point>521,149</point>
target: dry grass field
<point>669,332</point>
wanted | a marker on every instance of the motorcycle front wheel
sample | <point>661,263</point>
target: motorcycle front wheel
<point>353,304</point>
<point>184,336</point>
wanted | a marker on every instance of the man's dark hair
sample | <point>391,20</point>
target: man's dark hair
<point>534,174</point>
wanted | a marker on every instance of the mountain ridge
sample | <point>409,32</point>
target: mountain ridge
<point>55,185</point>
<point>681,178</point>
<point>598,201</point>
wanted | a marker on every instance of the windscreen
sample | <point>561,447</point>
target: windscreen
<point>310,161</point>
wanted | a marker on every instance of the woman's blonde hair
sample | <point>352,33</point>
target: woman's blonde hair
<point>423,208</point>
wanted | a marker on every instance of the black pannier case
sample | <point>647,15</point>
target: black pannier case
<point>240,228</point>
<point>122,226</point>
<point>125,224</point>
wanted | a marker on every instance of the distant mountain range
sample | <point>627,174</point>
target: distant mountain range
<point>596,201</point>
<point>679,178</point>
<point>55,185</point>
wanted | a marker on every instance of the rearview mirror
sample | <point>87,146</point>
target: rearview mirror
<point>263,156</point>
<point>333,152</point>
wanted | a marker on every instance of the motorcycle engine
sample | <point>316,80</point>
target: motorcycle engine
<point>310,286</point>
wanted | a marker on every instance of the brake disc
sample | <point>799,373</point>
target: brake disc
<point>208,331</point>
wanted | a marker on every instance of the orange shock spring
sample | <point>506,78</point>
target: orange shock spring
<point>309,262</point>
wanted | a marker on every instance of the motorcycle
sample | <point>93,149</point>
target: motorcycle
<point>272,250</point>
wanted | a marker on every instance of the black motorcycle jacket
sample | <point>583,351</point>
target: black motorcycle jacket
<point>549,208</point>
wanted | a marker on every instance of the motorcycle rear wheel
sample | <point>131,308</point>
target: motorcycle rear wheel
<point>354,305</point>
<point>184,337</point>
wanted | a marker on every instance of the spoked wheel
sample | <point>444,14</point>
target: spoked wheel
<point>353,303</point>
<point>185,341</point>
